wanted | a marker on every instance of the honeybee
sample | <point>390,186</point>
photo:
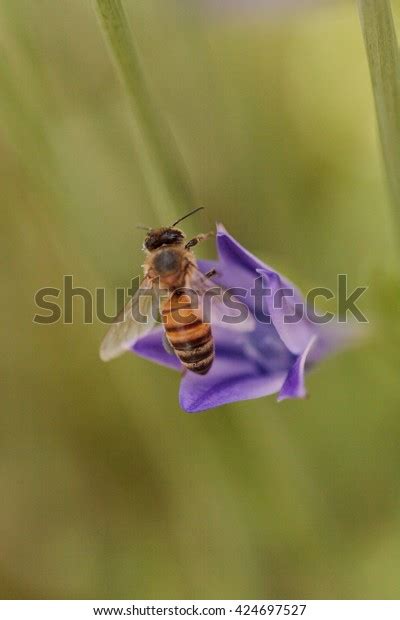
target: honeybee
<point>170,275</point>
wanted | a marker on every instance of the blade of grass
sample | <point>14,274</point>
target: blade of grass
<point>384,65</point>
<point>164,171</point>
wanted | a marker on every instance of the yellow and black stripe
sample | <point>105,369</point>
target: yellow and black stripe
<point>189,336</point>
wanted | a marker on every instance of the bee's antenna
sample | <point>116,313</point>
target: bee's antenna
<point>143,227</point>
<point>187,215</point>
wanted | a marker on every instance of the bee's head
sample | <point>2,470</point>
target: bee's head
<point>156,237</point>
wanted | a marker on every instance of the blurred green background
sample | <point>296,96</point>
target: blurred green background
<point>108,490</point>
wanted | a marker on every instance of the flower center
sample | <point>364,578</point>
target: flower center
<point>265,348</point>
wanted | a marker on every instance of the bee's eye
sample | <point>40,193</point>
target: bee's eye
<point>148,242</point>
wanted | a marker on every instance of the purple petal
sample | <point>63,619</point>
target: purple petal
<point>294,386</point>
<point>239,268</point>
<point>246,366</point>
<point>151,347</point>
<point>226,383</point>
<point>207,265</point>
<point>236,267</point>
<point>282,306</point>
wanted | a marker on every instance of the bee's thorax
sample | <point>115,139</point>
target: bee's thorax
<point>167,261</point>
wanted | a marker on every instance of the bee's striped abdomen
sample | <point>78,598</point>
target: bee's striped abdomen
<point>190,338</point>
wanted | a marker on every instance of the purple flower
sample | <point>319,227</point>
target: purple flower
<point>270,358</point>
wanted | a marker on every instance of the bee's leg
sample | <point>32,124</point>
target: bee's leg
<point>202,237</point>
<point>167,345</point>
<point>211,273</point>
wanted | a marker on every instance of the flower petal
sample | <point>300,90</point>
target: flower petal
<point>236,267</point>
<point>294,386</point>
<point>244,367</point>
<point>239,268</point>
<point>282,304</point>
<point>225,315</point>
<point>207,265</point>
<point>152,348</point>
<point>226,383</point>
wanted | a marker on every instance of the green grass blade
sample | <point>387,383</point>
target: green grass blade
<point>164,171</point>
<point>384,64</point>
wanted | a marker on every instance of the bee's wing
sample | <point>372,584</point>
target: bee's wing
<point>137,318</point>
<point>212,300</point>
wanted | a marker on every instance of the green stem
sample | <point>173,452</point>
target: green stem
<point>384,65</point>
<point>165,175</point>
